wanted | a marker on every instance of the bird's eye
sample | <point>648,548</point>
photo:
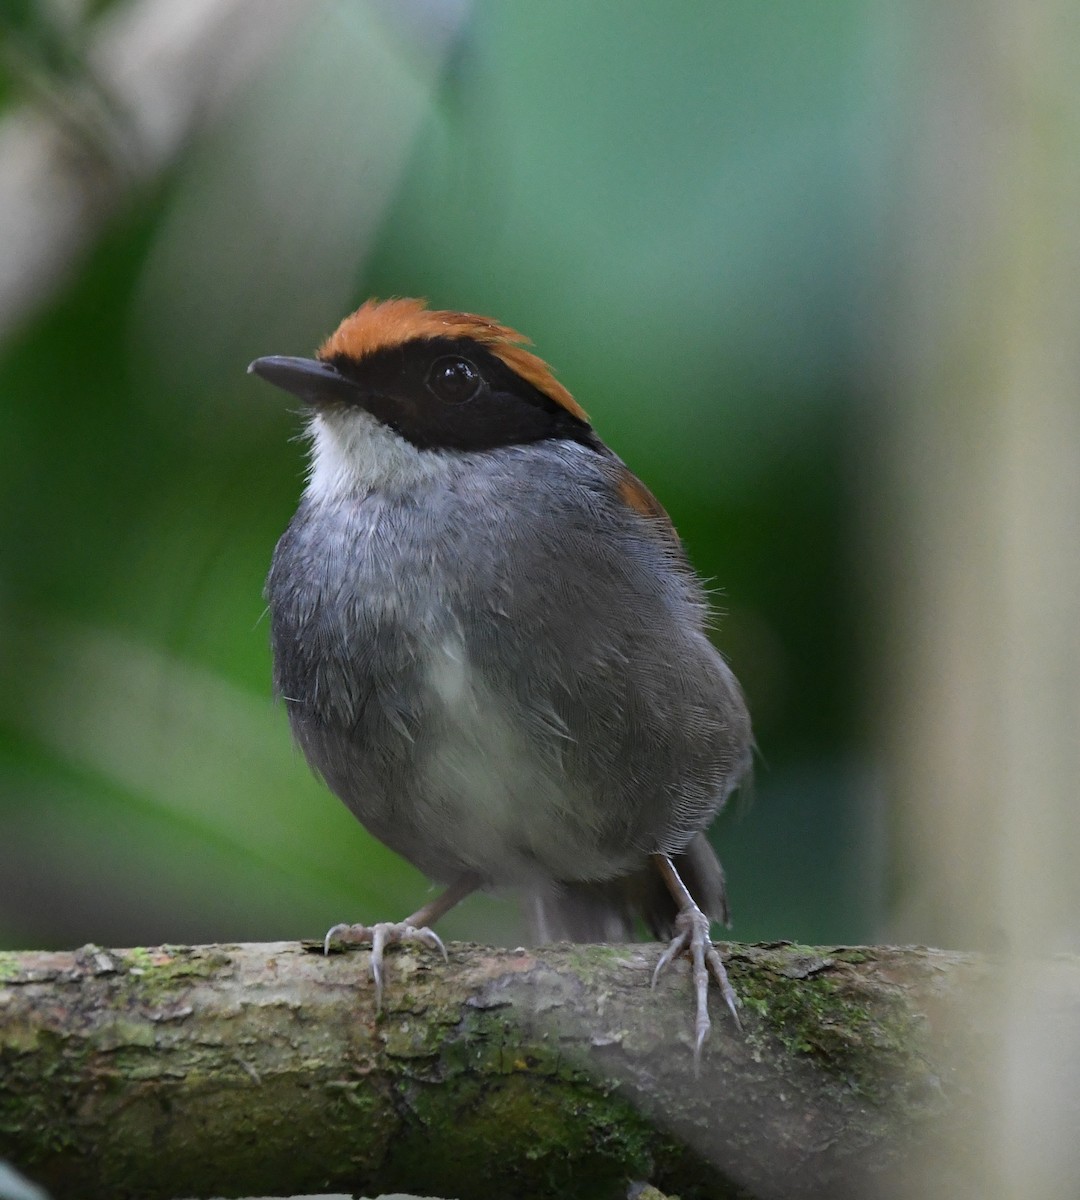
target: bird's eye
<point>453,379</point>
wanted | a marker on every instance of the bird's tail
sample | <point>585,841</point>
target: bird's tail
<point>609,911</point>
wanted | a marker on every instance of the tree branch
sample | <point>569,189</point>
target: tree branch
<point>264,1069</point>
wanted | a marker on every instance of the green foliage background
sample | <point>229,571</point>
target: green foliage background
<point>683,207</point>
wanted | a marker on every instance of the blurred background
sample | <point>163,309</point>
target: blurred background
<point>812,268</point>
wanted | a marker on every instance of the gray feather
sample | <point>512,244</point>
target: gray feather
<point>501,667</point>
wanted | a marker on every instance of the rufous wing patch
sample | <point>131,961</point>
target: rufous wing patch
<point>634,494</point>
<point>381,324</point>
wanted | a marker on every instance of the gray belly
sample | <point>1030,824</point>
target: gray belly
<point>455,775</point>
<point>466,692</point>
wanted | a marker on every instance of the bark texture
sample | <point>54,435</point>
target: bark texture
<point>265,1070</point>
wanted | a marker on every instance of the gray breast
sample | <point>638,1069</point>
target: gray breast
<point>488,685</point>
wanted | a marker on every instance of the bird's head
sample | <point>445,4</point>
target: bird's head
<point>397,386</point>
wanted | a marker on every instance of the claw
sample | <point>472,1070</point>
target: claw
<point>677,945</point>
<point>428,937</point>
<point>350,934</point>
<point>692,934</point>
<point>379,936</point>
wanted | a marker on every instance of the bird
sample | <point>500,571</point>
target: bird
<point>492,646</point>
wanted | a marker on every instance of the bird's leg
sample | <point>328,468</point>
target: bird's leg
<point>413,929</point>
<point>692,934</point>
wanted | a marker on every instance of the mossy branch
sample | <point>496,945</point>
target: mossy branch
<point>264,1069</point>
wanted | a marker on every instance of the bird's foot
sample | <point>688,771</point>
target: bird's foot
<point>378,937</point>
<point>692,935</point>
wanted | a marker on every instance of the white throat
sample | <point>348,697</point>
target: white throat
<point>353,453</point>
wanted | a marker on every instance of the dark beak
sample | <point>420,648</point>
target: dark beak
<point>312,381</point>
